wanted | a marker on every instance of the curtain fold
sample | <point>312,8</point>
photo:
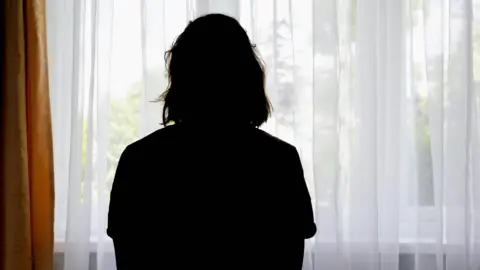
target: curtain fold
<point>26,144</point>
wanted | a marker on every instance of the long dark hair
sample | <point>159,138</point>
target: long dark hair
<point>215,75</point>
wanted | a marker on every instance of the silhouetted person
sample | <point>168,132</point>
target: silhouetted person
<point>211,190</point>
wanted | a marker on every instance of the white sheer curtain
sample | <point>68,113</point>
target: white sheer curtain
<point>381,98</point>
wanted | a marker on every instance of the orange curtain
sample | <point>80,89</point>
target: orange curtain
<point>26,168</point>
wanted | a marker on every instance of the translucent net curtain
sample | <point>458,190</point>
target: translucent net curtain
<point>380,97</point>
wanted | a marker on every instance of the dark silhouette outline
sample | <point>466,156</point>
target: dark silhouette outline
<point>213,68</point>
<point>211,191</point>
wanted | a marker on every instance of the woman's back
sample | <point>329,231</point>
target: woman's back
<point>191,196</point>
<point>220,196</point>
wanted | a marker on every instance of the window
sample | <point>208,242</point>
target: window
<point>379,97</point>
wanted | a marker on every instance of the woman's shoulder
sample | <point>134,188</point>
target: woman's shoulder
<point>273,141</point>
<point>153,140</point>
<point>172,135</point>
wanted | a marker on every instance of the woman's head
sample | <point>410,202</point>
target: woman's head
<point>215,75</point>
